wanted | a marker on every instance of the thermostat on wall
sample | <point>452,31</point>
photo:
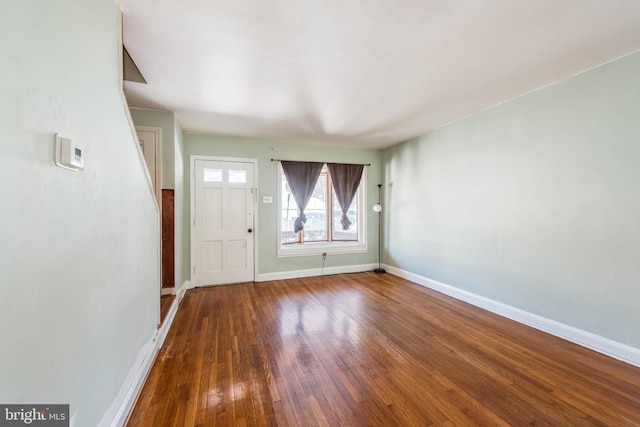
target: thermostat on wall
<point>69,155</point>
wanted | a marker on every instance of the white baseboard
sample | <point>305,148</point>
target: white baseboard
<point>119,410</point>
<point>132,385</point>
<point>586,339</point>
<point>296,274</point>
<point>168,320</point>
<point>185,286</point>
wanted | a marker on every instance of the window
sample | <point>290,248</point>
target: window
<point>237,176</point>
<point>323,231</point>
<point>212,175</point>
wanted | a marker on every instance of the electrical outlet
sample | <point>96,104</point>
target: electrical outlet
<point>324,255</point>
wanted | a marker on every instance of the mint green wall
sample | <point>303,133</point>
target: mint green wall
<point>263,151</point>
<point>534,203</point>
<point>166,121</point>
<point>78,252</point>
<point>179,215</point>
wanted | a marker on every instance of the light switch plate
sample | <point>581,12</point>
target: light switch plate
<point>267,199</point>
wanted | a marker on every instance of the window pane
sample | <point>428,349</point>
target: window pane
<point>212,175</point>
<point>337,232</point>
<point>237,176</point>
<point>289,214</point>
<point>315,230</point>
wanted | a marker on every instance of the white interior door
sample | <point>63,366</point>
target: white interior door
<point>149,139</point>
<point>222,230</point>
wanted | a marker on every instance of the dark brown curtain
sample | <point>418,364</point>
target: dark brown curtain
<point>346,180</point>
<point>302,178</point>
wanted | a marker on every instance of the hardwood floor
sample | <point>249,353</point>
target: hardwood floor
<point>165,305</point>
<point>371,350</point>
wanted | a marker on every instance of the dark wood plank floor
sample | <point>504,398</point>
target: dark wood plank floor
<point>371,350</point>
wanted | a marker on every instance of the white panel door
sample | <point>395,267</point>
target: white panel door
<point>149,139</point>
<point>222,237</point>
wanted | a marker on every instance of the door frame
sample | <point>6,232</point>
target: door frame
<point>155,185</point>
<point>192,206</point>
<point>157,179</point>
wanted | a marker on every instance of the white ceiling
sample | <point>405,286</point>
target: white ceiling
<point>367,73</point>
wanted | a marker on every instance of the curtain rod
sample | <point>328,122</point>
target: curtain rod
<point>281,160</point>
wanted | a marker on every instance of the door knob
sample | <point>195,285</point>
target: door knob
<point>250,230</point>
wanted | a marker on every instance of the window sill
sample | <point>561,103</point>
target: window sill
<point>313,249</point>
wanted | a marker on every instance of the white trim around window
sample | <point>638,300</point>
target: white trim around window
<point>318,248</point>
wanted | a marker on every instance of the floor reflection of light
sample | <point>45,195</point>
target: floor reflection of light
<point>329,312</point>
<point>314,318</point>
<point>216,396</point>
<point>237,391</point>
<point>288,319</point>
